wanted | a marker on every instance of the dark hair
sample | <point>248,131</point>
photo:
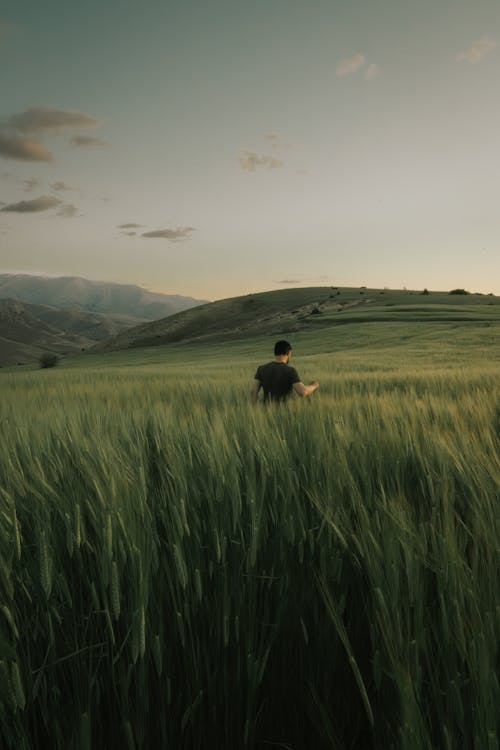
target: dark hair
<point>282,347</point>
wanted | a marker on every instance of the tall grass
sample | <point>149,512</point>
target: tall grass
<point>178,569</point>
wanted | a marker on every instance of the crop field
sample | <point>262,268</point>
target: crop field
<point>181,570</point>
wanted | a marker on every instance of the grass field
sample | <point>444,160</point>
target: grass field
<point>179,570</point>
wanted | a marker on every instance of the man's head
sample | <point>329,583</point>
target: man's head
<point>283,349</point>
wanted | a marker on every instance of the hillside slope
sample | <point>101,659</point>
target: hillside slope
<point>27,331</point>
<point>286,311</point>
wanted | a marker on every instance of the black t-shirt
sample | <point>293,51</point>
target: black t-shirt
<point>277,379</point>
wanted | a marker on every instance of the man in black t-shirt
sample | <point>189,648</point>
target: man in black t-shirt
<point>278,379</point>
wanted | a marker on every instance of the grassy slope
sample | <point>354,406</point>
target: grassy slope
<point>288,311</point>
<point>27,331</point>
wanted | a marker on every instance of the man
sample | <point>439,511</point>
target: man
<point>278,379</point>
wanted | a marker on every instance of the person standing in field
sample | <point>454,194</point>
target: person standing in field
<point>278,379</point>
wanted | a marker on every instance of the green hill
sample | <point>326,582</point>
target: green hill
<point>290,311</point>
<point>27,331</point>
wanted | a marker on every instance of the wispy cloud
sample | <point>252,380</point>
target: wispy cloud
<point>129,228</point>
<point>30,184</point>
<point>274,139</point>
<point>51,121</point>
<point>372,71</point>
<point>19,132</point>
<point>321,279</point>
<point>349,65</point>
<point>22,149</point>
<point>278,143</point>
<point>60,186</point>
<point>251,160</point>
<point>181,233</point>
<point>43,203</point>
<point>478,50</point>
<point>87,140</point>
<point>68,211</point>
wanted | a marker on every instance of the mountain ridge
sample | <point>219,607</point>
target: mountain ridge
<point>65,314</point>
<point>76,292</point>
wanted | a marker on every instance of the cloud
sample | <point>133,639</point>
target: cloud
<point>349,65</point>
<point>181,233</point>
<point>274,138</point>
<point>59,186</point>
<point>43,203</point>
<point>278,143</point>
<point>289,281</point>
<point>51,121</point>
<point>87,140</point>
<point>22,149</point>
<point>30,184</point>
<point>372,71</point>
<point>125,228</point>
<point>478,50</point>
<point>250,161</point>
<point>68,211</point>
<point>16,141</point>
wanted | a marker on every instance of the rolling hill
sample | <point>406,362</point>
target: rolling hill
<point>284,312</point>
<point>27,331</point>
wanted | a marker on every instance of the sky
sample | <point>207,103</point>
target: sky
<point>221,148</point>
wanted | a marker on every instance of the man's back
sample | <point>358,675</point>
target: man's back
<point>277,379</point>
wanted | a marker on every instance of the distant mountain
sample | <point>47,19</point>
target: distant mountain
<point>27,331</point>
<point>93,296</point>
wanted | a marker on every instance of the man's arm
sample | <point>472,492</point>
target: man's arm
<point>305,390</point>
<point>254,393</point>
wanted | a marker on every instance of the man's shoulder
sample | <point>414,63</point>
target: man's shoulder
<point>280,367</point>
<point>262,369</point>
<point>272,364</point>
<point>266,365</point>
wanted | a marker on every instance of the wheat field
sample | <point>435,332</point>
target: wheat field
<point>179,570</point>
